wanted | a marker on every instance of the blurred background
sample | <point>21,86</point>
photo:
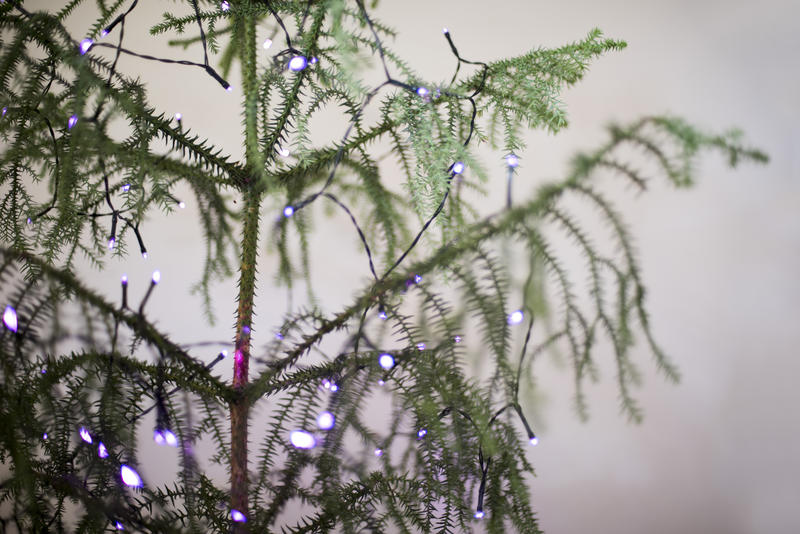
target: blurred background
<point>716,453</point>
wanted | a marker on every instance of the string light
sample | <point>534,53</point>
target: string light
<point>284,152</point>
<point>325,420</point>
<point>130,477</point>
<point>288,211</point>
<point>378,452</point>
<point>386,361</point>
<point>238,516</point>
<point>102,452</point>
<point>44,436</point>
<point>5,110</point>
<point>302,439</point>
<point>417,278</point>
<point>479,514</point>
<point>534,441</point>
<point>457,339</point>
<point>126,187</point>
<point>85,45</point>
<point>298,63</point>
<point>421,433</point>
<point>458,167</point>
<point>421,346</point>
<point>165,437</point>
<point>181,204</point>
<point>313,60</point>
<point>85,434</point>
<point>10,318</point>
<point>178,116</point>
<point>423,91</point>
<point>156,277</point>
<point>381,382</point>
<point>267,43</point>
<point>515,317</point>
<point>334,388</point>
<point>512,161</point>
<point>118,525</point>
<point>73,120</point>
<point>382,313</point>
<point>144,255</point>
<point>225,6</point>
<point>111,242</point>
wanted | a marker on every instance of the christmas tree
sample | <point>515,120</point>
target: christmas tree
<point>87,161</point>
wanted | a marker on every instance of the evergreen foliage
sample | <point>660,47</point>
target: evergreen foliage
<point>69,188</point>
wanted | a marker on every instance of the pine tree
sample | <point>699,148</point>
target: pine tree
<point>76,393</point>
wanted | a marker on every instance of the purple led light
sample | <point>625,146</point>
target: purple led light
<point>170,438</point>
<point>298,63</point>
<point>144,255</point>
<point>458,167</point>
<point>85,45</point>
<point>479,514</point>
<point>118,525</point>
<point>124,280</point>
<point>238,516</point>
<point>382,315</point>
<point>302,439</point>
<point>44,436</point>
<point>512,161</point>
<point>158,437</point>
<point>378,452</point>
<point>423,91</point>
<point>288,211</point>
<point>421,346</point>
<point>73,120</point>
<point>130,477</point>
<point>156,276</point>
<point>381,382</point>
<point>85,434</point>
<point>534,441</point>
<point>386,361</point>
<point>515,317</point>
<point>10,318</point>
<point>417,278</point>
<point>224,6</point>
<point>326,420</point>
<point>267,43</point>
<point>5,110</point>
<point>334,388</point>
<point>111,242</point>
<point>421,433</point>
<point>102,452</point>
<point>457,339</point>
<point>126,187</point>
<point>181,204</point>
<point>178,116</point>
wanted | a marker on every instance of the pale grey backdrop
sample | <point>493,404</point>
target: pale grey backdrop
<point>717,453</point>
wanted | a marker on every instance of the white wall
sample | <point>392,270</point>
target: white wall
<point>717,453</point>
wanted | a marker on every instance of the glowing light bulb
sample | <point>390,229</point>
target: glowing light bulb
<point>118,525</point>
<point>378,452</point>
<point>382,314</point>
<point>457,339</point>
<point>224,6</point>
<point>158,437</point>
<point>334,388</point>
<point>534,441</point>
<point>512,161</point>
<point>278,336</point>
<point>181,204</point>
<point>170,438</point>
<point>267,43</point>
<point>44,436</point>
<point>73,120</point>
<point>229,88</point>
<point>386,361</point>
<point>156,276</point>
<point>458,167</point>
<point>445,30</point>
<point>130,477</point>
<point>421,346</point>
<point>417,278</point>
<point>479,514</point>
<point>85,434</point>
<point>103,33</point>
<point>245,330</point>
<point>111,242</point>
<point>313,60</point>
<point>326,420</point>
<point>10,318</point>
<point>298,63</point>
<point>85,45</point>
<point>284,152</point>
<point>326,383</point>
<point>5,110</point>
<point>302,439</point>
<point>126,187</point>
<point>238,516</point>
<point>124,280</point>
<point>144,255</point>
<point>515,317</point>
<point>224,354</point>
<point>423,91</point>
<point>102,452</point>
<point>288,211</point>
<point>381,382</point>
<point>421,433</point>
